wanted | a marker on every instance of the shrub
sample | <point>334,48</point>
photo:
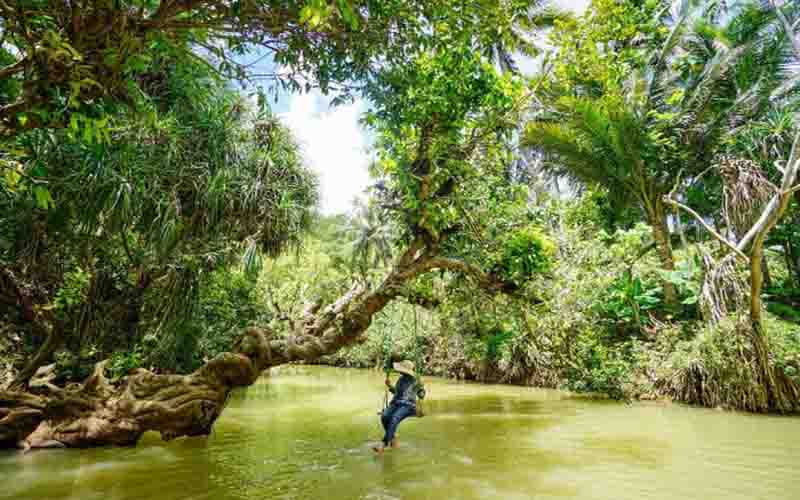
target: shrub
<point>122,362</point>
<point>717,369</point>
<point>628,299</point>
<point>598,368</point>
<point>524,253</point>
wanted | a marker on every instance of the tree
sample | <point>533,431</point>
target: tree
<point>372,237</point>
<point>75,62</point>
<point>754,208</point>
<point>666,117</point>
<point>768,142</point>
<point>598,50</point>
<point>128,225</point>
<point>441,119</point>
<point>517,37</point>
<point>603,142</point>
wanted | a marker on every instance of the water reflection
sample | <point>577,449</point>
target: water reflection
<point>305,432</point>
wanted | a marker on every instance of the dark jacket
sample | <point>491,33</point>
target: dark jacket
<point>406,391</point>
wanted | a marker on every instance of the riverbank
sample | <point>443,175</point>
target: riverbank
<point>679,362</point>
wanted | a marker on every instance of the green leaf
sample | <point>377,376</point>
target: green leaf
<point>12,178</point>
<point>305,14</point>
<point>43,198</point>
<point>637,287</point>
<point>348,14</point>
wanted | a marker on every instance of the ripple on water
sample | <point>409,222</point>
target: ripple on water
<point>306,433</point>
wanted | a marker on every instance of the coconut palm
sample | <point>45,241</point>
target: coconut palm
<point>711,73</point>
<point>518,37</point>
<point>371,236</point>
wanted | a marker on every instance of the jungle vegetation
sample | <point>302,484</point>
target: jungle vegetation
<point>624,220</point>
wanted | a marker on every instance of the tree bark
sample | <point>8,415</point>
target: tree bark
<point>765,272</point>
<point>756,284</point>
<point>52,342</point>
<point>792,255</point>
<point>658,222</point>
<point>102,412</point>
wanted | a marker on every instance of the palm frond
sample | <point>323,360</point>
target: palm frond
<point>586,142</point>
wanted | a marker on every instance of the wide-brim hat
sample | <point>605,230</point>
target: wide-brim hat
<point>406,367</point>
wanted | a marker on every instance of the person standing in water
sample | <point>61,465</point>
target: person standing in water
<point>403,405</point>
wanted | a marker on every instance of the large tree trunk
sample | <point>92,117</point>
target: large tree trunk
<point>658,221</point>
<point>102,412</point>
<point>99,412</point>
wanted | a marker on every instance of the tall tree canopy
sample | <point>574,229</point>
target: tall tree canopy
<point>698,74</point>
<point>101,235</point>
<point>68,61</point>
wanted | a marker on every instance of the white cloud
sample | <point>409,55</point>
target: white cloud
<point>575,5</point>
<point>334,146</point>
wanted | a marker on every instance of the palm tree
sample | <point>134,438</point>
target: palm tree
<point>606,143</point>
<point>711,73</point>
<point>518,37</point>
<point>371,235</point>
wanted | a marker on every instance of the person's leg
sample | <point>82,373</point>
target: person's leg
<point>386,420</point>
<point>386,416</point>
<point>402,412</point>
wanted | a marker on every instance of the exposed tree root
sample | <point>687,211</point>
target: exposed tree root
<point>102,412</point>
<point>726,369</point>
<point>98,412</point>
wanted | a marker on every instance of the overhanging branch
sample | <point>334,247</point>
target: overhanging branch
<point>668,199</point>
<point>487,281</point>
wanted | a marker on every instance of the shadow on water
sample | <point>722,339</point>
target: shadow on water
<point>305,432</point>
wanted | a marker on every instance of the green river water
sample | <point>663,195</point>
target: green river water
<point>305,432</point>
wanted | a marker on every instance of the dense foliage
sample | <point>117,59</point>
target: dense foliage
<point>150,210</point>
<point>643,100</point>
<point>120,240</point>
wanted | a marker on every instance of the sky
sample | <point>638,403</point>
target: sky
<point>335,146</point>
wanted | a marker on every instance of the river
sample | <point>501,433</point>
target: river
<point>305,432</point>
